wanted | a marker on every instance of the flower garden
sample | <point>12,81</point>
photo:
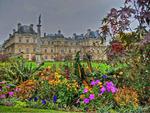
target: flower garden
<point>119,85</point>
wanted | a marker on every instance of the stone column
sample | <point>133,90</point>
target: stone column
<point>38,45</point>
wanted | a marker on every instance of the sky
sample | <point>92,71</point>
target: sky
<point>70,16</point>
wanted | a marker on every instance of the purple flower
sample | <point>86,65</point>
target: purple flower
<point>54,98</point>
<point>102,90</point>
<point>104,76</point>
<point>0,88</point>
<point>86,100</point>
<point>97,82</point>
<point>35,99</point>
<point>86,108</point>
<point>2,96</point>
<point>92,96</point>
<point>93,83</point>
<point>30,99</point>
<point>43,102</point>
<point>111,87</point>
<point>85,90</point>
<point>11,93</point>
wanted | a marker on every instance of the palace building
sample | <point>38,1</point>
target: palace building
<point>25,41</point>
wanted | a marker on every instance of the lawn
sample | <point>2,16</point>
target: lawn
<point>5,109</point>
<point>59,63</point>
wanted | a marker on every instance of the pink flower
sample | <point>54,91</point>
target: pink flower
<point>86,100</point>
<point>2,96</point>
<point>85,90</point>
<point>3,82</point>
<point>11,93</point>
<point>17,89</point>
<point>8,87</point>
<point>92,96</point>
<point>78,101</point>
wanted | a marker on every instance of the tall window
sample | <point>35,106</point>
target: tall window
<point>27,50</point>
<point>34,41</point>
<point>49,43</point>
<point>27,40</point>
<point>46,57</point>
<point>62,51</point>
<point>19,39</point>
<point>19,50</point>
<point>45,50</point>
<point>52,51</point>
<point>34,49</point>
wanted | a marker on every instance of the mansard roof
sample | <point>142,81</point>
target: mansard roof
<point>89,34</point>
<point>25,29</point>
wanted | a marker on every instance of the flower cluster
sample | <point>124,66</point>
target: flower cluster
<point>43,101</point>
<point>109,87</point>
<point>96,89</point>
<point>6,90</point>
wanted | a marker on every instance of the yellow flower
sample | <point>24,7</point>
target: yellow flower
<point>120,73</point>
<point>82,96</point>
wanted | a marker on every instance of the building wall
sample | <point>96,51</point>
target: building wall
<point>59,48</point>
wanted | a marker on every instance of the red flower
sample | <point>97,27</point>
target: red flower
<point>117,47</point>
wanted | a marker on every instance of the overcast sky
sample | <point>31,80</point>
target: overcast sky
<point>70,16</point>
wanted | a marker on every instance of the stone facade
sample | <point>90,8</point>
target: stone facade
<point>23,42</point>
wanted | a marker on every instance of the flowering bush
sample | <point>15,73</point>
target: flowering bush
<point>26,89</point>
<point>123,97</point>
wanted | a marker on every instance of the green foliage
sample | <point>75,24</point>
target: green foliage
<point>20,104</point>
<point>45,90</point>
<point>18,70</point>
<point>5,109</point>
<point>104,68</point>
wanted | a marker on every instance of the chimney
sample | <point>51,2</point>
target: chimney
<point>74,34</point>
<point>14,31</point>
<point>59,31</point>
<point>10,35</point>
<point>31,26</point>
<point>44,34</point>
<point>19,25</point>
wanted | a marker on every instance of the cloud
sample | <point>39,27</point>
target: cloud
<point>68,15</point>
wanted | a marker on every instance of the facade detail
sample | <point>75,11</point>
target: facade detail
<point>31,45</point>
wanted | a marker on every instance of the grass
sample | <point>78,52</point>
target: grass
<point>59,63</point>
<point>6,109</point>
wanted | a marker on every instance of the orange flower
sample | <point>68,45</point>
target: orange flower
<point>82,96</point>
